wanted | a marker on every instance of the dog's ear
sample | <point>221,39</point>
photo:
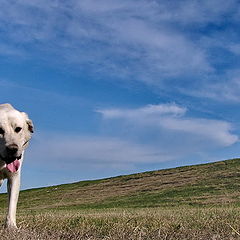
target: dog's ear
<point>30,125</point>
<point>29,122</point>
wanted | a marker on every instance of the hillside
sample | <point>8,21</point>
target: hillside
<point>211,184</point>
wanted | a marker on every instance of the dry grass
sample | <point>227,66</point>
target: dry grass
<point>129,224</point>
<point>184,203</point>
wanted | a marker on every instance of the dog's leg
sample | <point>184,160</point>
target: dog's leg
<point>13,186</point>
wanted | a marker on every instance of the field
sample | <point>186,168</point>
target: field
<point>136,224</point>
<point>193,202</point>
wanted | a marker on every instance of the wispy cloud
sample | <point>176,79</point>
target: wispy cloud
<point>172,118</point>
<point>168,135</point>
<point>148,41</point>
<point>55,158</point>
<point>179,51</point>
<point>223,89</point>
<point>144,112</point>
<point>125,37</point>
<point>58,150</point>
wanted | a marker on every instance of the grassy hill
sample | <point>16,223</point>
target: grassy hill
<point>212,184</point>
<point>192,202</point>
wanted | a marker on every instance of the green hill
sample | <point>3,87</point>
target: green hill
<point>212,184</point>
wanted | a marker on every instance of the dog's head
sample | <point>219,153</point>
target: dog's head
<point>15,132</point>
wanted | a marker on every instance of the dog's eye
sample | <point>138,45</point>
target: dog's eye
<point>18,129</point>
<point>1,131</point>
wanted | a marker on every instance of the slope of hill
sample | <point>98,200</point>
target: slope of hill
<point>212,184</point>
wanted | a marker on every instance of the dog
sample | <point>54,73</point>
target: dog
<point>15,132</point>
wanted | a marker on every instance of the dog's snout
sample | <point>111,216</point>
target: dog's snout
<point>12,149</point>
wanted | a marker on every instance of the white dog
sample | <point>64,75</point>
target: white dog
<point>15,132</point>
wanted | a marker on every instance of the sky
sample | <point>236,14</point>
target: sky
<point>119,87</point>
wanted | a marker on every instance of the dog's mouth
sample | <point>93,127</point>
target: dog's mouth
<point>12,163</point>
<point>10,159</point>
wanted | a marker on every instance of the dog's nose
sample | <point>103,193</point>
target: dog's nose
<point>12,149</point>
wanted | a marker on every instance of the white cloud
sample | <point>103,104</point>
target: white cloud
<point>130,38</point>
<point>172,118</point>
<point>143,112</point>
<point>148,135</point>
<point>58,150</point>
<point>235,48</point>
<point>148,41</point>
<point>211,130</point>
<point>221,89</point>
<point>199,12</point>
<point>186,12</point>
<point>166,132</point>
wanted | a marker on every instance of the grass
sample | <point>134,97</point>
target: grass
<point>210,185</point>
<point>192,202</point>
<point>135,224</point>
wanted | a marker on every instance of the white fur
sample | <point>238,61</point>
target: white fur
<point>10,118</point>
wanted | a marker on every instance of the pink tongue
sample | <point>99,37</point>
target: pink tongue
<point>13,166</point>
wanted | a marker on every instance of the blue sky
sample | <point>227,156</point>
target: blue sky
<point>117,87</point>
